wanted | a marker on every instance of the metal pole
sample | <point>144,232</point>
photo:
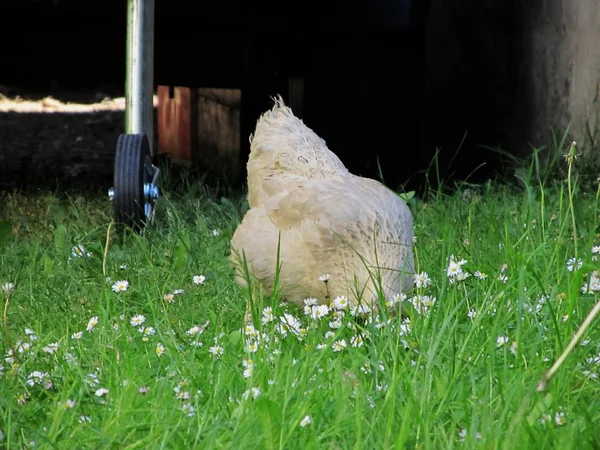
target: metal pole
<point>139,83</point>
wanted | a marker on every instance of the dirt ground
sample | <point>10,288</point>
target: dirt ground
<point>60,138</point>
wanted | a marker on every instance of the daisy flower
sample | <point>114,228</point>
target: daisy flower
<point>291,322</point>
<point>36,377</point>
<point>79,251</point>
<point>92,323</point>
<point>216,350</point>
<point>188,409</point>
<point>251,346</point>
<point>480,275</point>
<point>77,335</point>
<point>120,286</point>
<point>361,310</point>
<point>249,330</point>
<point>317,312</point>
<point>101,392</point>
<point>51,348</point>
<point>502,340</point>
<point>7,288</point>
<point>194,331</point>
<point>335,324</point>
<point>147,331</point>
<point>340,345</point>
<point>574,264</point>
<point>305,421</point>
<point>267,315</point>
<point>340,302</point>
<point>324,278</point>
<point>159,350</point>
<point>308,302</point>
<point>422,280</point>
<point>252,392</point>
<point>137,320</point>
<point>248,367</point>
<point>199,279</point>
<point>357,341</point>
<point>169,298</point>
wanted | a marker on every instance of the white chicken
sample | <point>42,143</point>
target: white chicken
<point>309,211</point>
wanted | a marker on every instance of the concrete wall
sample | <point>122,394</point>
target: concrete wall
<point>509,73</point>
<point>559,73</point>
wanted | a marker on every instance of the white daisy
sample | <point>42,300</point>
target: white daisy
<point>137,320</point>
<point>79,251</point>
<point>120,286</point>
<point>357,341</point>
<point>502,340</point>
<point>51,348</point>
<point>254,392</point>
<point>318,312</point>
<point>574,264</point>
<point>251,346</point>
<point>335,324</point>
<point>216,350</point>
<point>339,345</point>
<point>340,302</point>
<point>199,279</point>
<point>305,421</point>
<point>267,315</point>
<point>308,302</point>
<point>101,392</point>
<point>188,409</point>
<point>422,280</point>
<point>92,323</point>
<point>8,288</point>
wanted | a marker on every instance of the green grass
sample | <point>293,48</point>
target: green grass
<point>416,384</point>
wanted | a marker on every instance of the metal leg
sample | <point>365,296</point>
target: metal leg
<point>135,189</point>
<point>139,84</point>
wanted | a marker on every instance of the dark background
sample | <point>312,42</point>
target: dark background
<point>387,83</point>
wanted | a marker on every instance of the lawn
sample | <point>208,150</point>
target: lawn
<point>147,348</point>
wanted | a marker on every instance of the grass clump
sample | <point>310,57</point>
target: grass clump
<point>154,353</point>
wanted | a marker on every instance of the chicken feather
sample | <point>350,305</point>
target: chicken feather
<point>322,218</point>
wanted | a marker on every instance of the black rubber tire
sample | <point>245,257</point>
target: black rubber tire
<point>133,168</point>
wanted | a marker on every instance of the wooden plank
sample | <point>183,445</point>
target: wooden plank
<point>176,131</point>
<point>219,132</point>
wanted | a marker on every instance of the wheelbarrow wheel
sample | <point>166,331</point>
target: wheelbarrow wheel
<point>133,175</point>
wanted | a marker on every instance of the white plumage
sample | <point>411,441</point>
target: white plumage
<point>324,219</point>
